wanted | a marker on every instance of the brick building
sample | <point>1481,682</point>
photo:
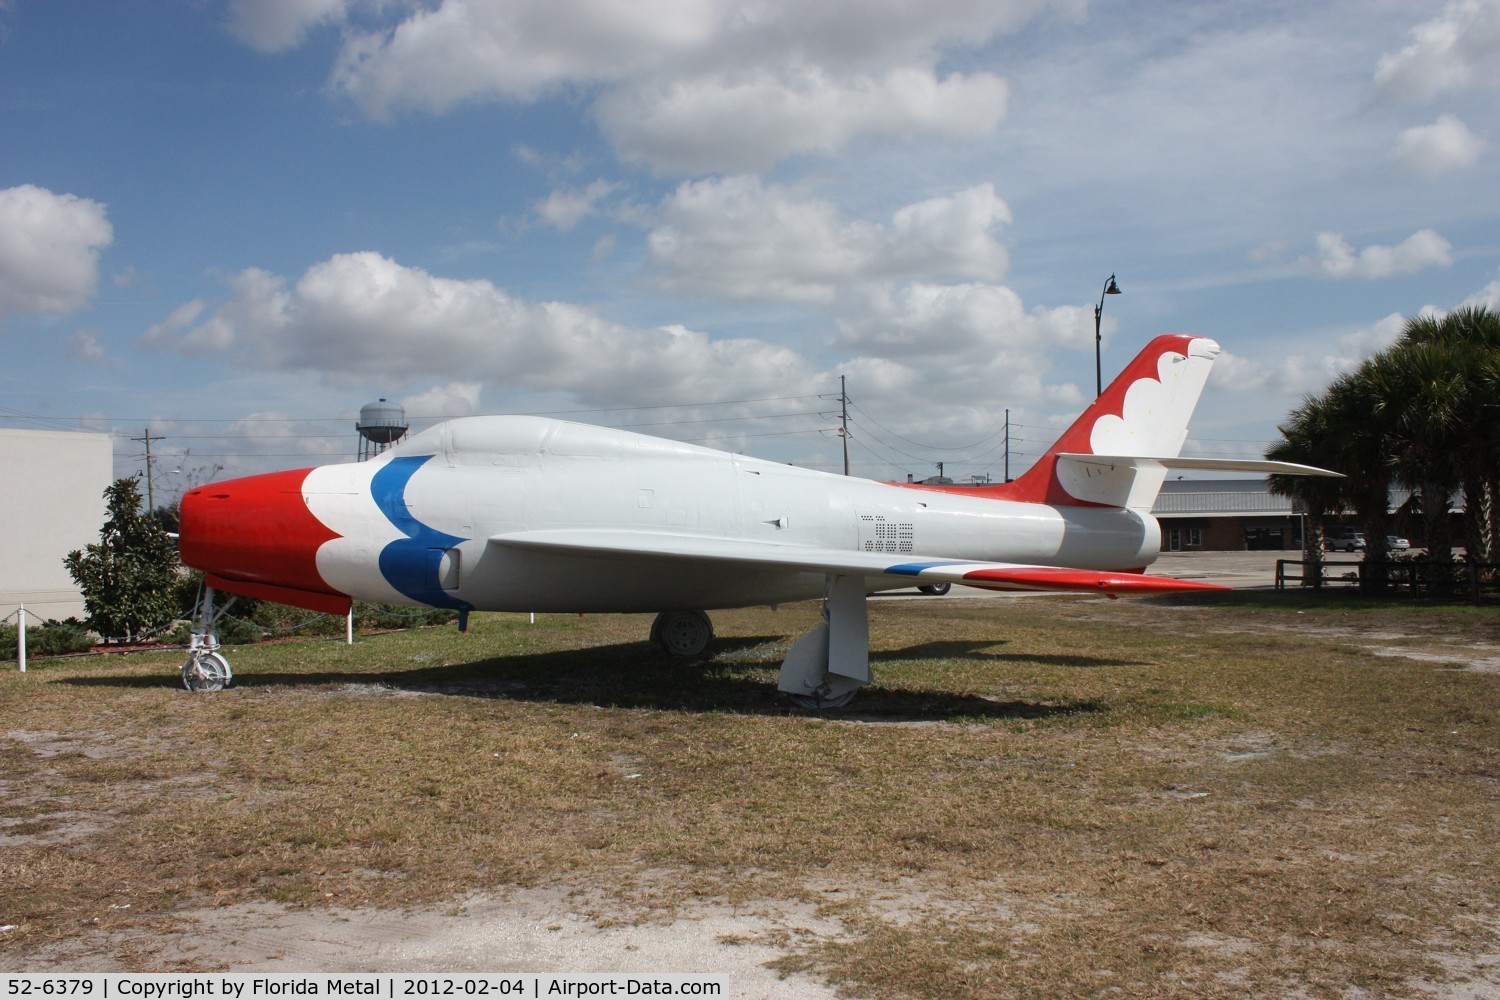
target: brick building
<point>1225,515</point>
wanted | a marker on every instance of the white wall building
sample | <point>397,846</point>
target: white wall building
<point>51,502</point>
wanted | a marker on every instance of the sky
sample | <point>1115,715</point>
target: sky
<point>229,225</point>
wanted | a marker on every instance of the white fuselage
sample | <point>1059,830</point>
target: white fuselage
<point>496,476</point>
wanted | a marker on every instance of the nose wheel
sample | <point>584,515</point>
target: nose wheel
<point>206,668</point>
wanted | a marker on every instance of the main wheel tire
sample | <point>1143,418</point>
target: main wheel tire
<point>683,633</point>
<point>936,589</point>
<point>205,672</point>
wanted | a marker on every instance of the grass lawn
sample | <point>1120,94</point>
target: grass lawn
<point>1248,794</point>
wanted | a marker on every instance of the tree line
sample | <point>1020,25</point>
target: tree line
<point>1420,415</point>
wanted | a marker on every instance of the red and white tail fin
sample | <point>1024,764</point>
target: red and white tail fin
<point>1114,453</point>
<point>1118,453</point>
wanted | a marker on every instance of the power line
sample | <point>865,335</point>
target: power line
<point>930,447</point>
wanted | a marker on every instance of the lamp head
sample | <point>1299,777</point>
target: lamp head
<point>1111,288</point>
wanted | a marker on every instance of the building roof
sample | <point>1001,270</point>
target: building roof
<point>1220,498</point>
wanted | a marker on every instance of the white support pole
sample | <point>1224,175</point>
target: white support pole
<point>21,636</point>
<point>349,627</point>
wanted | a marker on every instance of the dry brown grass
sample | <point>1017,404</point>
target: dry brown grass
<point>1038,797</point>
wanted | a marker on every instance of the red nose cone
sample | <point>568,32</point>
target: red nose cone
<point>255,536</point>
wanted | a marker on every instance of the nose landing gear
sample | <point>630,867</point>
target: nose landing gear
<point>206,668</point>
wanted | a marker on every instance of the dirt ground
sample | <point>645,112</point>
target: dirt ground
<point>573,929</point>
<point>530,930</point>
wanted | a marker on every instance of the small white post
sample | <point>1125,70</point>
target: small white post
<point>21,636</point>
<point>533,618</point>
<point>349,627</point>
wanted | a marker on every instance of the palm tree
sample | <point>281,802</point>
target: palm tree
<point>1305,440</point>
<point>1425,412</point>
<point>1471,338</point>
<point>1359,441</point>
<point>1419,396</point>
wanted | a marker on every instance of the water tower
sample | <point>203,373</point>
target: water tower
<point>380,425</point>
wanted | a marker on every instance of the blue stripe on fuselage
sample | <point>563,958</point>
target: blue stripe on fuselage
<point>913,569</point>
<point>411,564</point>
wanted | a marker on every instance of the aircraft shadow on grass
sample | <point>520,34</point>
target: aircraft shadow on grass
<point>980,649</point>
<point>739,677</point>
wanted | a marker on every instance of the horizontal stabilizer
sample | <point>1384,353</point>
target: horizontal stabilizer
<point>1134,480</point>
<point>1203,464</point>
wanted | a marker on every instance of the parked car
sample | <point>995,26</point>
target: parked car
<point>1396,543</point>
<point>1344,540</point>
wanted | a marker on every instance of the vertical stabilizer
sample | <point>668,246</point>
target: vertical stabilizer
<point>1112,454</point>
<point>1143,414</point>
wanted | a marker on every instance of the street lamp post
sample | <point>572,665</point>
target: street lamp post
<point>1110,288</point>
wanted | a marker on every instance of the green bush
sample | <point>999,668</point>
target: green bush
<point>50,639</point>
<point>396,616</point>
<point>128,577</point>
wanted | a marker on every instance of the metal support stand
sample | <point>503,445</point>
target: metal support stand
<point>826,667</point>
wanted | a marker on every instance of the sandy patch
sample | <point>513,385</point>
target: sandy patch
<point>531,930</point>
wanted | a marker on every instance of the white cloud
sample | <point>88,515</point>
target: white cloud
<point>1445,145</point>
<point>1488,296</point>
<point>168,332</point>
<point>738,238</point>
<point>685,85</point>
<point>1422,249</point>
<point>1370,340</point>
<point>277,25</point>
<point>975,347</point>
<point>49,250</point>
<point>724,124</point>
<point>258,301</point>
<point>456,399</point>
<point>362,319</point>
<point>565,209</point>
<point>978,320</point>
<point>1305,373</point>
<point>363,315</point>
<point>1455,51</point>
<point>1237,374</point>
<point>85,346</point>
<point>464,50</point>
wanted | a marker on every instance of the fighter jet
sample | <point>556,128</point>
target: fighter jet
<point>519,513</point>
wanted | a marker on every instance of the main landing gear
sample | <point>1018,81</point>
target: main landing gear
<point>206,668</point>
<point>824,669</point>
<point>682,633</point>
<point>827,666</point>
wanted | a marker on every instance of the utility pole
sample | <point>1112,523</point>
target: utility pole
<point>150,472</point>
<point>1007,444</point>
<point>844,420</point>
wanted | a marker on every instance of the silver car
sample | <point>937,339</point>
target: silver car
<point>1344,540</point>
